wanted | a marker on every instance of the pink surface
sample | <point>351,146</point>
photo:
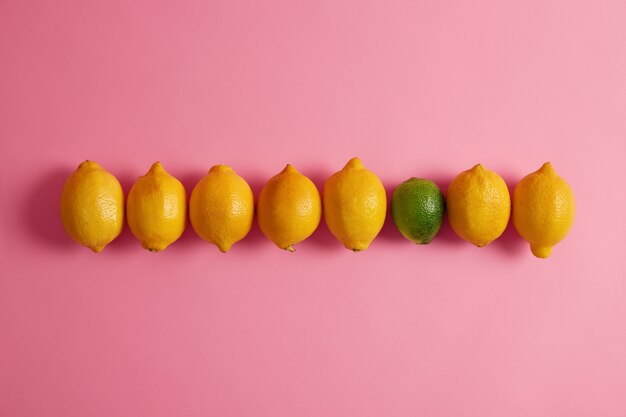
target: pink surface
<point>414,89</point>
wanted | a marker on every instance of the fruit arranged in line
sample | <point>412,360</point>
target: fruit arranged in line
<point>479,205</point>
<point>355,205</point>
<point>289,208</point>
<point>221,207</point>
<point>156,209</point>
<point>543,209</point>
<point>92,206</point>
<point>417,209</point>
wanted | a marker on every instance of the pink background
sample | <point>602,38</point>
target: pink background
<point>414,88</point>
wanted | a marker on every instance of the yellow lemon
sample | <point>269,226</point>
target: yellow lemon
<point>221,207</point>
<point>289,208</point>
<point>543,209</point>
<point>92,206</point>
<point>157,209</point>
<point>355,205</point>
<point>479,205</point>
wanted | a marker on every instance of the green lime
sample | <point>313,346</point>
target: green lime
<point>417,208</point>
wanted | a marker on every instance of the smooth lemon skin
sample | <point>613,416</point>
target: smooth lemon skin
<point>221,207</point>
<point>92,206</point>
<point>289,209</point>
<point>157,209</point>
<point>479,205</point>
<point>543,209</point>
<point>355,205</point>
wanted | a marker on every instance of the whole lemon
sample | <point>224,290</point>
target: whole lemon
<point>355,205</point>
<point>289,208</point>
<point>156,209</point>
<point>221,207</point>
<point>543,209</point>
<point>92,206</point>
<point>479,205</point>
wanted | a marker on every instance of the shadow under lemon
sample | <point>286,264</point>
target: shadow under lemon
<point>510,242</point>
<point>40,209</point>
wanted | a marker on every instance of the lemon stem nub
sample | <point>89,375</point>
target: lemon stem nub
<point>289,168</point>
<point>541,251</point>
<point>354,163</point>
<point>224,247</point>
<point>290,248</point>
<point>156,167</point>
<point>547,168</point>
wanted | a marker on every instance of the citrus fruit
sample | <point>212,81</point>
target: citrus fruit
<point>221,207</point>
<point>479,205</point>
<point>543,209</point>
<point>417,209</point>
<point>355,205</point>
<point>92,206</point>
<point>156,209</point>
<point>289,208</point>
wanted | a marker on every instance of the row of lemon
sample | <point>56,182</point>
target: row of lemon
<point>289,207</point>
